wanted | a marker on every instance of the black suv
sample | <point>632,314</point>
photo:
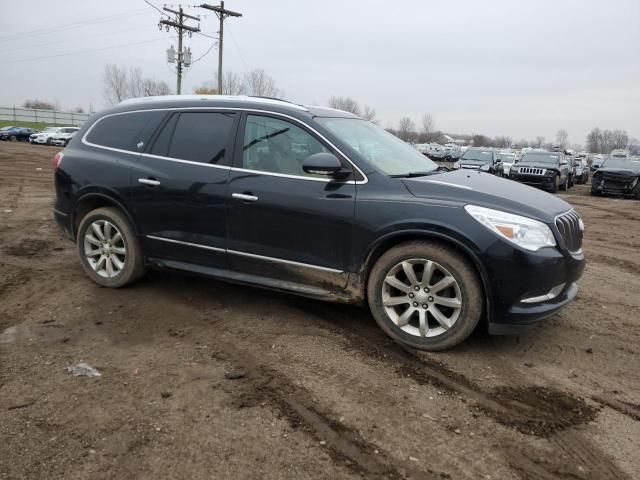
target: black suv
<point>315,202</point>
<point>482,159</point>
<point>549,170</point>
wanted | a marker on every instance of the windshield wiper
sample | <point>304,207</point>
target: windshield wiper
<point>416,174</point>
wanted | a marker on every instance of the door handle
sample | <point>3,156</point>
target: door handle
<point>244,197</point>
<point>149,181</point>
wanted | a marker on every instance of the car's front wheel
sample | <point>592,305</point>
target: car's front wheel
<point>108,248</point>
<point>425,295</point>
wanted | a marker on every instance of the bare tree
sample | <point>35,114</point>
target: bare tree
<point>406,129</point>
<point>346,104</point>
<point>481,141</point>
<point>619,139</point>
<point>369,114</point>
<point>258,83</point>
<point>562,138</point>
<point>115,87</point>
<point>156,87</point>
<point>135,83</point>
<point>232,84</point>
<point>40,104</point>
<point>427,129</point>
<point>502,142</point>
<point>539,141</point>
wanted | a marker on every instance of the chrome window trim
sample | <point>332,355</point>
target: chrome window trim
<point>235,169</point>
<point>246,254</point>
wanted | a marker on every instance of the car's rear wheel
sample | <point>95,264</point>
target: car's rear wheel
<point>109,249</point>
<point>425,295</point>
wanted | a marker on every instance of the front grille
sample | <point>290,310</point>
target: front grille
<point>532,170</point>
<point>569,227</point>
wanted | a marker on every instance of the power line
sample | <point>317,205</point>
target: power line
<point>183,56</point>
<point>71,26</point>
<point>205,53</point>
<point>80,52</point>
<point>233,39</point>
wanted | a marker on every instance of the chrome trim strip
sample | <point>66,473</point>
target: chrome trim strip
<point>245,254</point>
<point>229,109</point>
<point>449,184</point>
<point>197,245</point>
<point>244,197</point>
<point>280,260</point>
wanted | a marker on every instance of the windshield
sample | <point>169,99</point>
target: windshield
<point>387,152</point>
<point>480,156</point>
<point>50,129</point>
<point>541,157</point>
<point>508,157</point>
<point>622,164</point>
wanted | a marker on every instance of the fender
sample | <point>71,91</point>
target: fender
<point>107,195</point>
<point>446,237</point>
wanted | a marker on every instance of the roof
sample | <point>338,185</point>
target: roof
<point>234,101</point>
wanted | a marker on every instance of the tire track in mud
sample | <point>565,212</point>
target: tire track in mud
<point>607,260</point>
<point>536,411</point>
<point>297,406</point>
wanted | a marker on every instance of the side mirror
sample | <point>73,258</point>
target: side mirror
<point>564,162</point>
<point>323,164</point>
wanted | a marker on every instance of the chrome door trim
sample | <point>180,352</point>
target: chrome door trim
<point>148,181</point>
<point>189,244</point>
<point>245,254</point>
<point>280,260</point>
<point>228,109</point>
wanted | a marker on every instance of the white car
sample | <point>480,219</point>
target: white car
<point>45,135</point>
<point>508,159</point>
<point>64,136</point>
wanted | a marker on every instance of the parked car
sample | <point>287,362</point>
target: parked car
<point>64,136</point>
<point>315,202</point>
<point>45,136</point>
<point>617,176</point>
<point>507,159</point>
<point>483,159</point>
<point>547,170</point>
<point>582,171</point>
<point>16,134</point>
<point>596,162</point>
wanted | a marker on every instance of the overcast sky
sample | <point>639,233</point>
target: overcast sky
<point>515,68</point>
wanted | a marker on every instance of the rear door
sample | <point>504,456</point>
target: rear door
<point>179,187</point>
<point>283,223</point>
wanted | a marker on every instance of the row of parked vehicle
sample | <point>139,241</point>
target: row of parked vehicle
<point>60,136</point>
<point>560,169</point>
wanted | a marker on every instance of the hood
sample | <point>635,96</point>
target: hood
<point>472,163</point>
<point>617,172</point>
<point>486,190</point>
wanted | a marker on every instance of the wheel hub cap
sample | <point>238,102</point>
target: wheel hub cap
<point>104,249</point>
<point>421,297</point>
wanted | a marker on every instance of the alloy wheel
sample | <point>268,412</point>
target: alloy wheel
<point>421,297</point>
<point>104,248</point>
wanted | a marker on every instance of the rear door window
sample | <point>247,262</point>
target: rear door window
<point>202,137</point>
<point>124,131</point>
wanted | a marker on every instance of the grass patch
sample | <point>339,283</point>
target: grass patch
<point>36,125</point>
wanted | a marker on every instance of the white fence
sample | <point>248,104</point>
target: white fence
<point>50,117</point>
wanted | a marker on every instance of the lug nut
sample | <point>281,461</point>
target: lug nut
<point>411,295</point>
<point>415,304</point>
<point>426,290</point>
<point>431,299</point>
<point>416,288</point>
<point>424,305</point>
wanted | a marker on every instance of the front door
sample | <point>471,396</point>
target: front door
<point>179,187</point>
<point>283,223</point>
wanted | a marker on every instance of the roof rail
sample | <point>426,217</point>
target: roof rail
<point>223,98</point>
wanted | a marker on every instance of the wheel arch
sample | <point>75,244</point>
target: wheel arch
<point>389,241</point>
<point>89,202</point>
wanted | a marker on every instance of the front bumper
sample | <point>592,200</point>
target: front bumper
<point>516,276</point>
<point>542,181</point>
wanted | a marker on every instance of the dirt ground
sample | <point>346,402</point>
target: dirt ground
<point>322,394</point>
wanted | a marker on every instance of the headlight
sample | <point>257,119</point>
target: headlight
<point>525,232</point>
<point>485,167</point>
<point>456,165</point>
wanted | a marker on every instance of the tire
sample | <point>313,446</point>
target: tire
<point>49,141</point>
<point>556,184</point>
<point>594,192</point>
<point>565,185</point>
<point>13,138</point>
<point>445,262</point>
<point>132,262</point>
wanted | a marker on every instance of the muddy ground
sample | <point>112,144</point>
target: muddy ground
<point>325,394</point>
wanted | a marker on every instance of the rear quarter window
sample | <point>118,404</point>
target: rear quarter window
<point>124,130</point>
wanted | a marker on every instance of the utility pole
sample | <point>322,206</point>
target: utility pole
<point>181,57</point>
<point>222,14</point>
